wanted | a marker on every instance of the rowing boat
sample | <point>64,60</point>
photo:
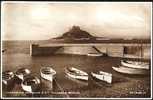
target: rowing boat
<point>76,73</point>
<point>135,64</point>
<point>103,76</point>
<point>128,70</point>
<point>30,84</point>
<point>47,73</point>
<point>21,73</point>
<point>78,81</point>
<point>95,54</point>
<point>7,80</point>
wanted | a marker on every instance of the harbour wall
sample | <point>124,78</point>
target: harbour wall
<point>36,50</point>
<point>114,51</point>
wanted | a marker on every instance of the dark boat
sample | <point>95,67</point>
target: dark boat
<point>7,80</point>
<point>31,84</point>
<point>20,74</point>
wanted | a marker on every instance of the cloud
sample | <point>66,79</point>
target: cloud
<point>40,21</point>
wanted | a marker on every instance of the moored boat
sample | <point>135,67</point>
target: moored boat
<point>128,70</point>
<point>95,54</point>
<point>76,73</point>
<point>135,64</point>
<point>21,73</point>
<point>31,84</point>
<point>103,76</point>
<point>78,81</point>
<point>47,73</point>
<point>7,80</point>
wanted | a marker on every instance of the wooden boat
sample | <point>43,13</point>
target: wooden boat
<point>135,64</point>
<point>128,70</point>
<point>21,73</point>
<point>47,73</point>
<point>7,80</point>
<point>30,84</point>
<point>76,73</point>
<point>95,54</point>
<point>78,81</point>
<point>103,76</point>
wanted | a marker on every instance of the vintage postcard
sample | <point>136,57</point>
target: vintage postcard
<point>81,50</point>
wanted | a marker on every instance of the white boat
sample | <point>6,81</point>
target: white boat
<point>76,73</point>
<point>95,54</point>
<point>78,81</point>
<point>135,64</point>
<point>104,76</point>
<point>47,73</point>
<point>128,70</point>
<point>30,84</point>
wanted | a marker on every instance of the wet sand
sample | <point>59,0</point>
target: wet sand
<point>122,86</point>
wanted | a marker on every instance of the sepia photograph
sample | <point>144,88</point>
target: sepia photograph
<point>76,50</point>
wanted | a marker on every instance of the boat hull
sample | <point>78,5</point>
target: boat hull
<point>127,70</point>
<point>30,84</point>
<point>7,80</point>
<point>47,73</point>
<point>83,82</point>
<point>21,74</point>
<point>77,74</point>
<point>106,78</point>
<point>79,77</point>
<point>94,55</point>
<point>47,78</point>
<point>135,65</point>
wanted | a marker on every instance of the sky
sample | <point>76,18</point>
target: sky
<point>45,20</point>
